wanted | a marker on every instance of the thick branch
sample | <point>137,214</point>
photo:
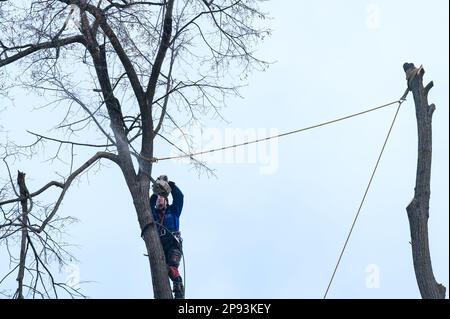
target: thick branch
<point>126,62</point>
<point>115,115</point>
<point>65,186</point>
<point>42,189</point>
<point>130,4</point>
<point>163,46</point>
<point>70,179</point>
<point>418,209</point>
<point>146,114</point>
<point>166,99</point>
<point>40,46</point>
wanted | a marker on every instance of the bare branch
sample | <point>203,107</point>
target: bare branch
<point>70,179</point>
<point>31,48</point>
<point>101,20</point>
<point>10,177</point>
<point>130,4</point>
<point>69,142</point>
<point>42,189</point>
<point>72,96</point>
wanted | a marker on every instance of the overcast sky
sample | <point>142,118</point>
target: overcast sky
<point>273,221</point>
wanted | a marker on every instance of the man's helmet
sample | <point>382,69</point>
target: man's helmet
<point>161,186</point>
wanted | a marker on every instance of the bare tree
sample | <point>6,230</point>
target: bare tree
<point>130,71</point>
<point>40,237</point>
<point>419,208</point>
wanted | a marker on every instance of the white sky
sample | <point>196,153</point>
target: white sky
<point>277,232</point>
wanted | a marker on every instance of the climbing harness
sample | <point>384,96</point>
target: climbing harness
<point>176,235</point>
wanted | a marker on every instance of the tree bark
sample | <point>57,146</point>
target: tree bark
<point>139,186</point>
<point>418,208</point>
<point>23,190</point>
<point>158,267</point>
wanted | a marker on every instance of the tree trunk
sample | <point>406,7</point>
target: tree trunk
<point>418,209</point>
<point>158,267</point>
<point>139,186</point>
<point>23,191</point>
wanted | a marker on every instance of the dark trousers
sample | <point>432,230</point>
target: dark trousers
<point>172,246</point>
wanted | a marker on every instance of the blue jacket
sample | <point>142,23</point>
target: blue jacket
<point>171,218</point>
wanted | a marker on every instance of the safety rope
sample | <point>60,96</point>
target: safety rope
<point>191,155</point>
<point>402,99</point>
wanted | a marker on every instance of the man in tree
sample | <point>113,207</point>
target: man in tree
<point>168,221</point>
<point>125,75</point>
